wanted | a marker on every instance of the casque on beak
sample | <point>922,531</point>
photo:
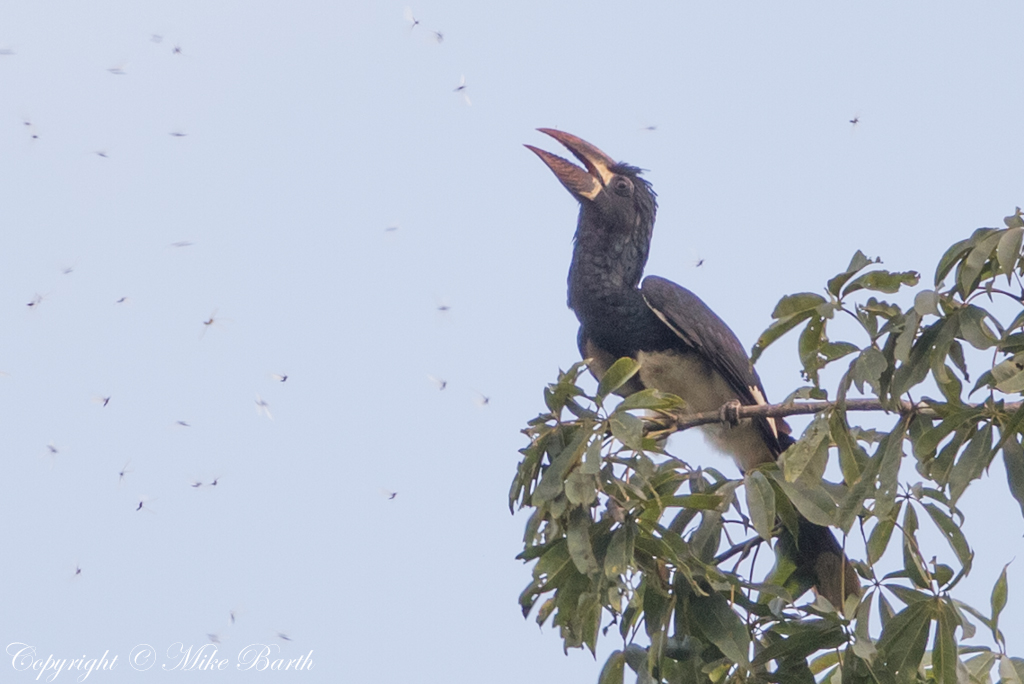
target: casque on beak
<point>582,184</point>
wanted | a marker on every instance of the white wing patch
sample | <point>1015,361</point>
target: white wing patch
<point>761,401</point>
<point>664,320</point>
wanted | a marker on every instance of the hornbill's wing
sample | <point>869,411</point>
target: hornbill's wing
<point>699,329</point>
<point>818,557</point>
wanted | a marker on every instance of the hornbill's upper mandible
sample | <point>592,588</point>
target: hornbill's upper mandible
<point>682,346</point>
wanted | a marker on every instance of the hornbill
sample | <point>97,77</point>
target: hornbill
<point>683,347</point>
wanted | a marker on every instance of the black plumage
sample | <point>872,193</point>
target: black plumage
<point>683,347</point>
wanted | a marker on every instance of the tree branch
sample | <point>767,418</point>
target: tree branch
<point>681,421</point>
<point>743,547</point>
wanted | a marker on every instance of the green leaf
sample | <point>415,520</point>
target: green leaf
<point>868,369</point>
<point>906,595</point>
<point>628,429</point>
<point>808,346</point>
<point>810,637</point>
<point>969,630</point>
<point>885,610</point>
<point>889,456</point>
<point>1018,322</point>
<point>1012,343</point>
<point>798,456</point>
<point>942,574</point>
<point>913,564</point>
<point>824,661</point>
<point>979,666</point>
<point>553,559</point>
<point>556,395</point>
<point>926,302</point>
<point>954,536</point>
<point>619,555</point>
<point>976,259</point>
<point>916,368</point>
<point>651,399</point>
<point>577,536</point>
<point>802,302</point>
<point>837,350</point>
<point>905,340</point>
<point>580,488</point>
<point>588,610</point>
<point>705,540</point>
<point>1009,374</point>
<point>760,503</point>
<point>545,611</point>
<point>973,328</point>
<point>1013,459</point>
<point>615,377</point>
<point>721,626</point>
<point>973,461</point>
<point>984,380</point>
<point>904,639</point>
<point>1011,670</point>
<point>944,653</point>
<point>851,505</point>
<point>1016,220</point>
<point>1000,590</point>
<point>1008,250</point>
<point>883,281</point>
<point>612,672</point>
<point>789,313</point>
<point>774,332</point>
<point>926,444</point>
<point>806,392</point>
<point>703,502</point>
<point>857,263</point>
<point>552,481</point>
<point>636,657</point>
<point>580,411</point>
<point>956,355</point>
<point>1008,429</point>
<point>864,435</point>
<point>852,457</point>
<point>592,460</point>
<point>868,315</point>
<point>950,258</point>
<point>810,499</point>
<point>784,509</point>
<point>940,468</point>
<point>863,645</point>
<point>880,535</point>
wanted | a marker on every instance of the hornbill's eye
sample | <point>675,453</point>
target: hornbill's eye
<point>622,186</point>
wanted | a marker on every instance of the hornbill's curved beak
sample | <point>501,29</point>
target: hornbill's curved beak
<point>583,184</point>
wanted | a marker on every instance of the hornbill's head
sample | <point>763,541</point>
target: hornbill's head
<point>611,194</point>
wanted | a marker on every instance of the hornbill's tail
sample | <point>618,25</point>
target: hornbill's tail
<point>820,563</point>
<point>819,559</point>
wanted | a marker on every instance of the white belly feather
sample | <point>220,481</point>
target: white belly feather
<point>686,376</point>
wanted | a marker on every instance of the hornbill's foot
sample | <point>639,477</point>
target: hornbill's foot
<point>730,412</point>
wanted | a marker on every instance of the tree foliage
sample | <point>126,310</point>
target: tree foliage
<point>627,538</point>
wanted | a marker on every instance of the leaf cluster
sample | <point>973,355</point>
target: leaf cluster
<point>624,535</point>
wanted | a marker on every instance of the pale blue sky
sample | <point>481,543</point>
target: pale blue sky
<point>311,128</point>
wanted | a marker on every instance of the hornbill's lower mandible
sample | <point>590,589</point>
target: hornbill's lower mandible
<point>682,346</point>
